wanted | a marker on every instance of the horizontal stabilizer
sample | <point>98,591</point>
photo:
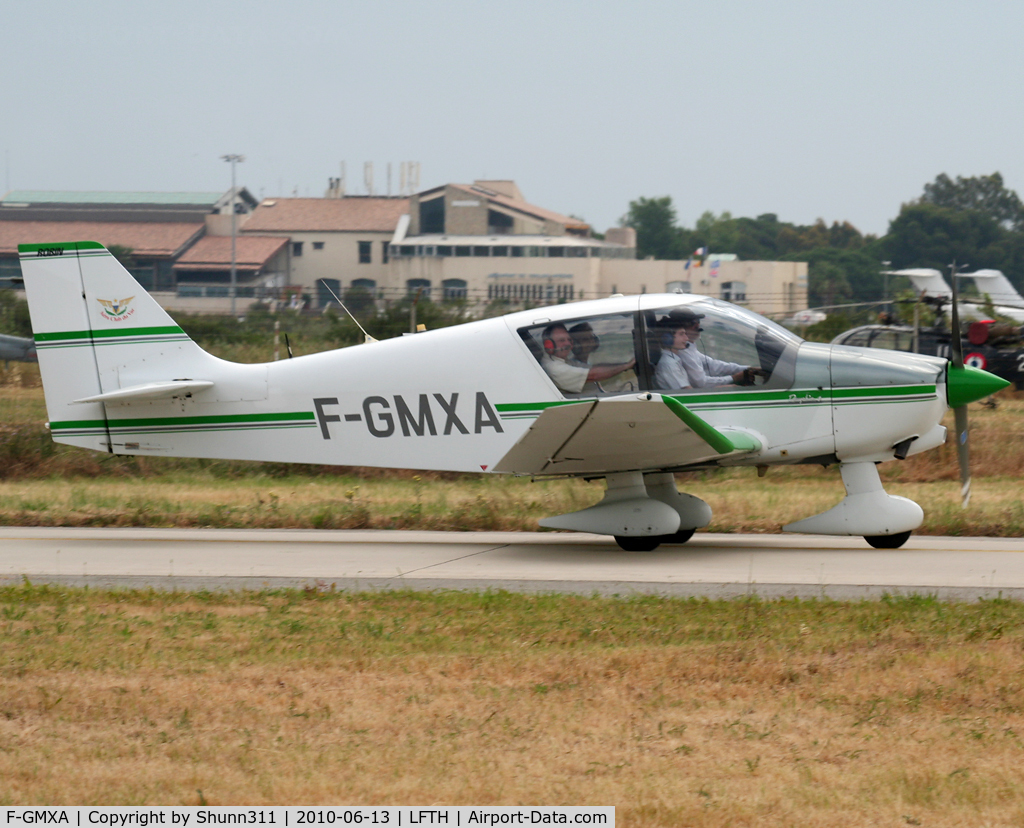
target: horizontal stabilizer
<point>150,390</point>
<point>621,434</point>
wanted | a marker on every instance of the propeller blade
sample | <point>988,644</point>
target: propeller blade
<point>963,454</point>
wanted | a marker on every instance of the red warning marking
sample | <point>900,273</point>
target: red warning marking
<point>484,468</point>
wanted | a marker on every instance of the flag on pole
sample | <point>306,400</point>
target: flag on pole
<point>715,264</point>
<point>689,262</point>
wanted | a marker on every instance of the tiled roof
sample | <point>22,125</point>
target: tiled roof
<point>152,238</point>
<point>214,252</point>
<point>521,206</point>
<point>352,214</point>
<point>107,197</point>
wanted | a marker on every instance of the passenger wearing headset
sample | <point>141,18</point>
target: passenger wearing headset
<point>584,343</point>
<point>570,377</point>
<point>682,365</point>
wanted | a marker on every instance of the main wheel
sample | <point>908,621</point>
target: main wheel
<point>682,536</point>
<point>888,541</point>
<point>643,544</point>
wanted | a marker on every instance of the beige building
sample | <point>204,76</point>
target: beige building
<point>334,243</point>
<point>482,243</point>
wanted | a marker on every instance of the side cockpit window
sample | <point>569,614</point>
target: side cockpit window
<point>591,356</point>
<point>709,345</point>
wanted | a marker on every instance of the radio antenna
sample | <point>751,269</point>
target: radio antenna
<point>337,298</point>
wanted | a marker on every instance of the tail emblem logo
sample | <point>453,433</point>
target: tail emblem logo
<point>116,310</point>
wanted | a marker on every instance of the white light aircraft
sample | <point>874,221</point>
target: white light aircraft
<point>120,376</point>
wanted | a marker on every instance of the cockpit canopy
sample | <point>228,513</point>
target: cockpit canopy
<point>693,345</point>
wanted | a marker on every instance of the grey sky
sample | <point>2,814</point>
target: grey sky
<point>837,110</point>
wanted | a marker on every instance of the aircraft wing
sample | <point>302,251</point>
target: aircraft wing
<point>649,431</point>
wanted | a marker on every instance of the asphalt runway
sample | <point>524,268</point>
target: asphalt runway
<point>710,565</point>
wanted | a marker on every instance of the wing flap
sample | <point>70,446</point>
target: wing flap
<point>621,434</point>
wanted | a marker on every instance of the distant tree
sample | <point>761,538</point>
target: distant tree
<point>984,193</point>
<point>125,255</point>
<point>654,220</point>
<point>14,316</point>
<point>843,275</point>
<point>719,234</point>
<point>360,301</point>
<point>927,235</point>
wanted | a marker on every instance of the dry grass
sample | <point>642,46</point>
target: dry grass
<point>688,713</point>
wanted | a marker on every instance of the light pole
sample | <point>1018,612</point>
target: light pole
<point>234,159</point>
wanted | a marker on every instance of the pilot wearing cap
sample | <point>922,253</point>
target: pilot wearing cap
<point>683,365</point>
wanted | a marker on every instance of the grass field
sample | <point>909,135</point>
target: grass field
<point>679,712</point>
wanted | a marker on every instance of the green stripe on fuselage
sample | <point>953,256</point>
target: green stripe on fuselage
<point>286,418</point>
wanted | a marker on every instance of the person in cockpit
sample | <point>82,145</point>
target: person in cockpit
<point>568,373</point>
<point>683,365</point>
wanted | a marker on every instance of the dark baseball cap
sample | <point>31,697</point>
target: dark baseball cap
<point>680,318</point>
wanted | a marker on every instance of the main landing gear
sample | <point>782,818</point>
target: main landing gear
<point>652,542</point>
<point>641,511</point>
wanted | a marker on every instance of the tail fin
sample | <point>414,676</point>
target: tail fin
<point>927,279</point>
<point>94,327</point>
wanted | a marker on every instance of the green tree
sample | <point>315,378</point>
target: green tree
<point>654,220</point>
<point>984,194</point>
<point>927,235</point>
<point>125,255</point>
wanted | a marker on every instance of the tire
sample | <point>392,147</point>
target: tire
<point>643,544</point>
<point>682,536</point>
<point>888,541</point>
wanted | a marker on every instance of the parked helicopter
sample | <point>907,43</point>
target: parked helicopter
<point>497,396</point>
<point>17,348</point>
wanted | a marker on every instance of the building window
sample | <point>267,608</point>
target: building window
<point>418,286</point>
<point>318,245</point>
<point>327,291</point>
<point>453,289</point>
<point>498,223</point>
<point>444,250</point>
<point>734,291</point>
<point>296,248</point>
<point>463,251</point>
<point>481,250</point>
<point>384,252</point>
<point>360,295</point>
<point>499,251</point>
<point>556,251</point>
<point>517,251</point>
<point>432,216</point>
<point>365,252</point>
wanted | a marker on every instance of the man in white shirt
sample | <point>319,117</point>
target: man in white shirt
<point>571,378</point>
<point>682,365</point>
